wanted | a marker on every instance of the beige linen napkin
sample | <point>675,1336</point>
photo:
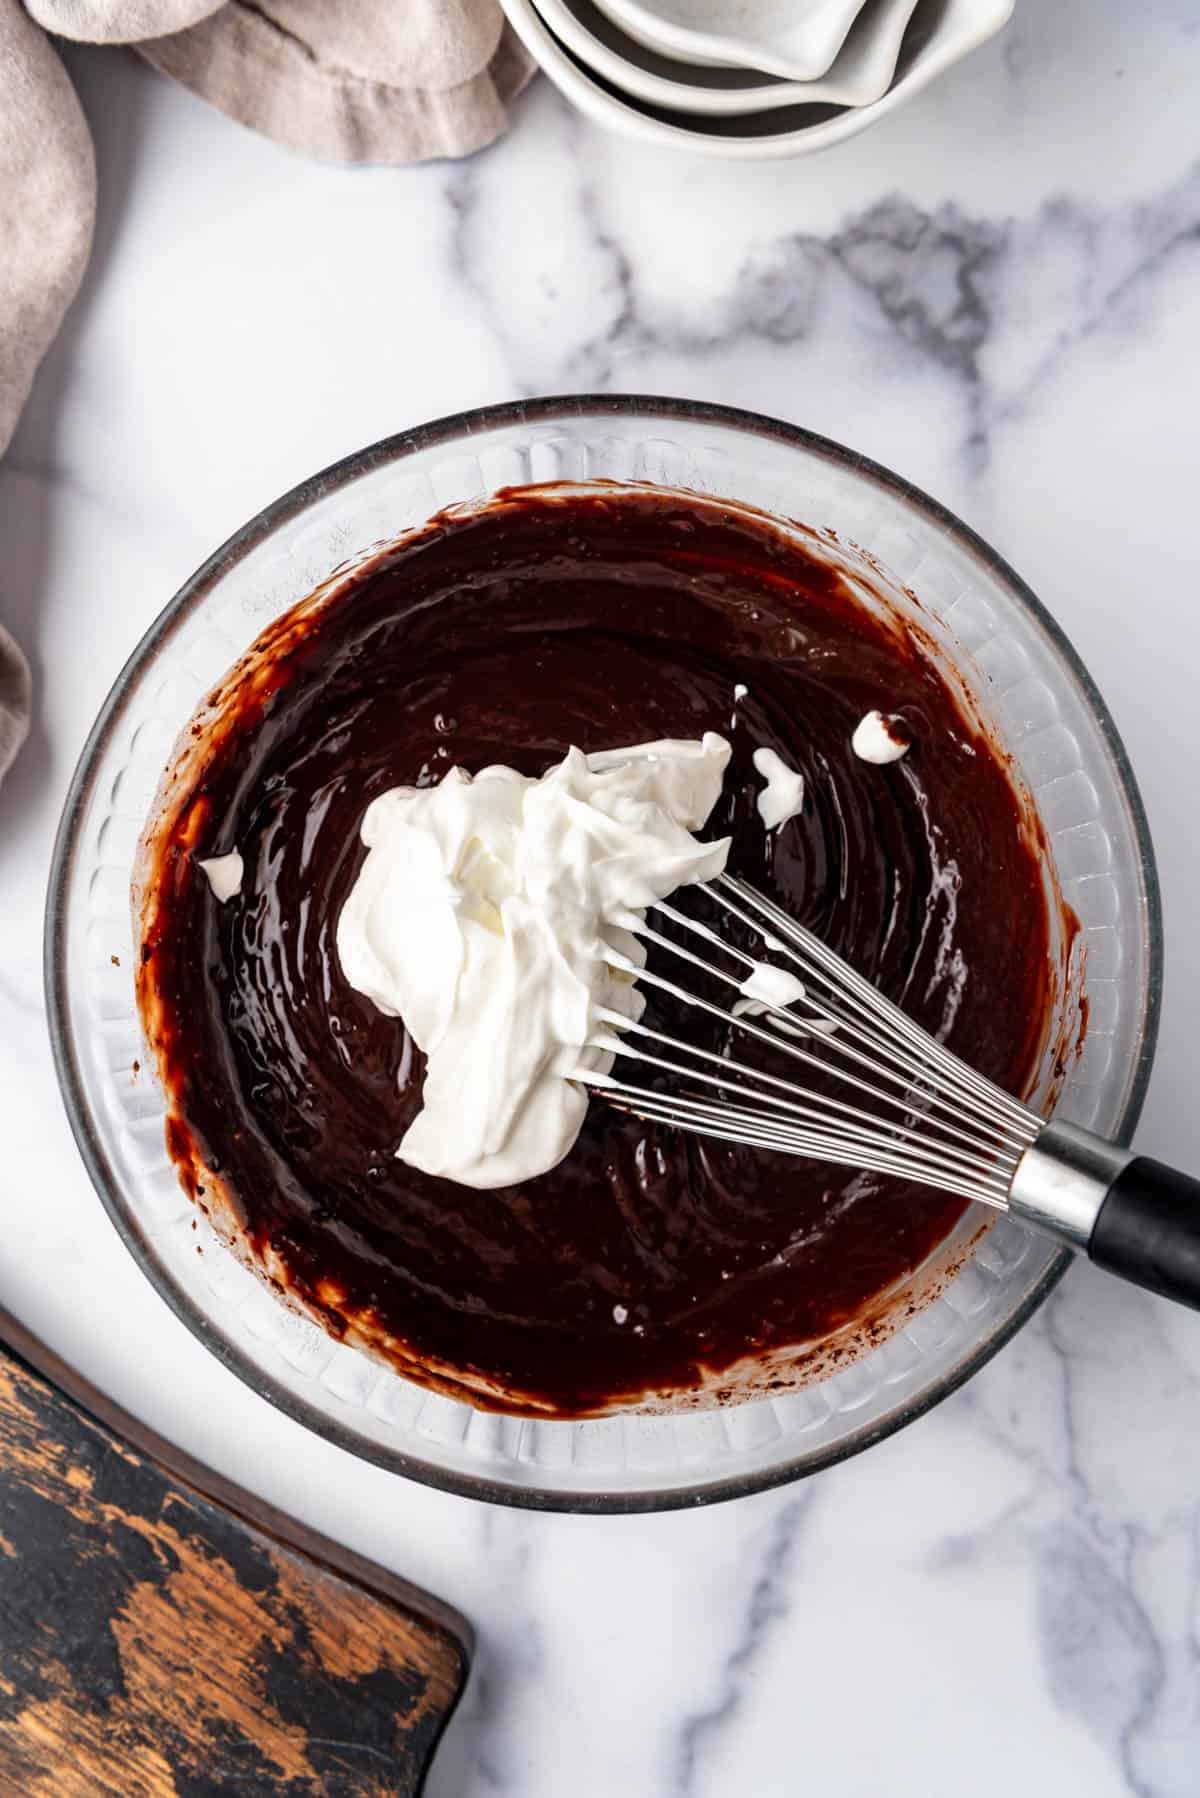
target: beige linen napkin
<point>346,80</point>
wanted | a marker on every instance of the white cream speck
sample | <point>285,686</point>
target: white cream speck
<point>783,796</point>
<point>766,989</point>
<point>874,741</point>
<point>223,874</point>
<point>769,985</point>
<point>619,1314</point>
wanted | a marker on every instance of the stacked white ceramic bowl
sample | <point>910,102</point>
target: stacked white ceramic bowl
<point>748,79</point>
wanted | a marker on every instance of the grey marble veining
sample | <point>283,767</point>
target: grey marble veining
<point>998,293</point>
<point>767,1603</point>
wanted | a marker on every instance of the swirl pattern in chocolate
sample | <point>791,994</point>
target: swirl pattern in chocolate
<point>647,1262</point>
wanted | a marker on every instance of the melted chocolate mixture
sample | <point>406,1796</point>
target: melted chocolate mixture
<point>550,620</point>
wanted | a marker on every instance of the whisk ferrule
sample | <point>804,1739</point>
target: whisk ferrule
<point>1063,1179</point>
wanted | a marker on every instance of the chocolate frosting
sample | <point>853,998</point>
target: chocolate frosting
<point>647,1262</point>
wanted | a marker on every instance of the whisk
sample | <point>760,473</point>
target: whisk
<point>891,1099</point>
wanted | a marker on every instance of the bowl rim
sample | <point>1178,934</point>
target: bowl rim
<point>192,594</point>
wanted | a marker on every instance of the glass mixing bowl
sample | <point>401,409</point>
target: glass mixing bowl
<point>1020,673</point>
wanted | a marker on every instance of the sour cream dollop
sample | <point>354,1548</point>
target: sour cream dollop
<point>486,916</point>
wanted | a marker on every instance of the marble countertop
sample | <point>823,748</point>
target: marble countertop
<point>997,292</point>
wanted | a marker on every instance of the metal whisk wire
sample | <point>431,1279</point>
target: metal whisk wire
<point>928,1116</point>
<point>907,1105</point>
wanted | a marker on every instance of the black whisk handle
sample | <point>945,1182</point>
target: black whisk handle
<point>1148,1230</point>
<point>1130,1215</point>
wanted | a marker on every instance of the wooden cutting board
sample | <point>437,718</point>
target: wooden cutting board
<point>162,1632</point>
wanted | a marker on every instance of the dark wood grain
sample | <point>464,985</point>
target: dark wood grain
<point>156,1638</point>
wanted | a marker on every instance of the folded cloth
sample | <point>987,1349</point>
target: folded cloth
<point>350,81</point>
<point>14,700</point>
<point>346,80</point>
<point>47,203</point>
